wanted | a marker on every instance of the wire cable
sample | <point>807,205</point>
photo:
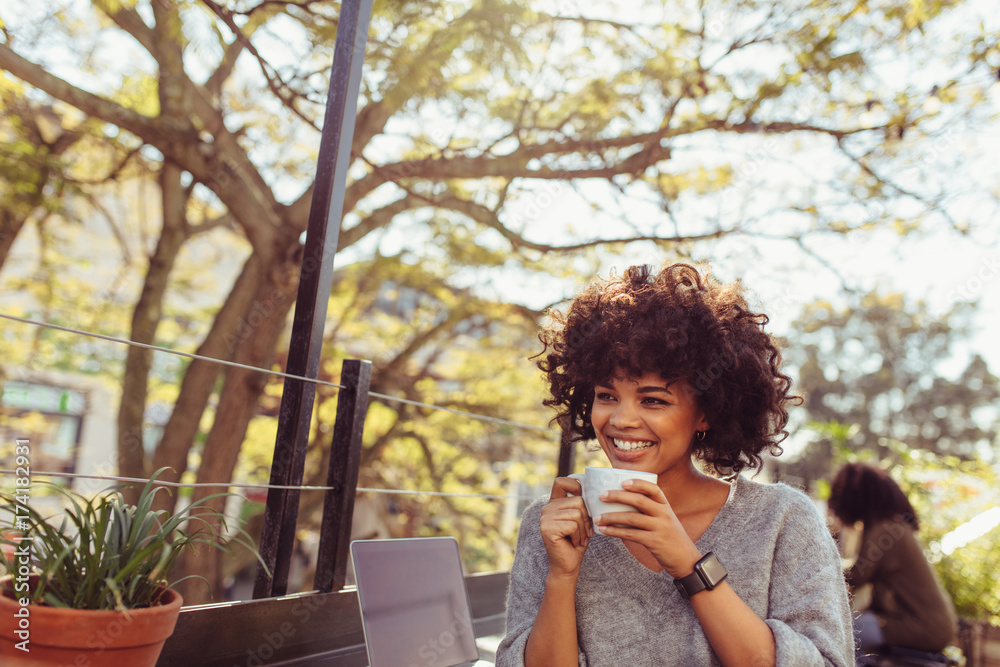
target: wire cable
<point>387,397</point>
<point>497,420</point>
<point>194,485</point>
<point>156,348</point>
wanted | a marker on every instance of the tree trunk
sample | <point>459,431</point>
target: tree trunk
<point>145,321</point>
<point>200,377</point>
<point>10,226</point>
<point>256,343</point>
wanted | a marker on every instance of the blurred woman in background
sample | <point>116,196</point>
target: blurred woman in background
<point>909,608</point>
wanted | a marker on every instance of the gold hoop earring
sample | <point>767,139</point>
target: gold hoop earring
<point>699,435</point>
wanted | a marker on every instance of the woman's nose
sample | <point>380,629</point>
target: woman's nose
<point>625,415</point>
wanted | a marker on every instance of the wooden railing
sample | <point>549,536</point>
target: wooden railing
<point>981,643</point>
<point>322,629</point>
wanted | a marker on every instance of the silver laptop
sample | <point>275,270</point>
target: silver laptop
<point>415,607</point>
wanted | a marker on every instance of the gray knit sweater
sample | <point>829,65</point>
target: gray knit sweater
<point>781,561</point>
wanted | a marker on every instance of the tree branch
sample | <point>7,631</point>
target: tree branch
<point>222,165</point>
<point>224,220</point>
<point>91,104</point>
<point>128,19</point>
<point>377,219</point>
<point>274,82</point>
<point>162,44</point>
<point>866,168</point>
<point>513,165</point>
<point>113,174</point>
<point>489,218</point>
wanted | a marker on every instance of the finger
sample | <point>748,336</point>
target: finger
<point>647,538</point>
<point>569,509</point>
<point>647,489</point>
<point>559,528</point>
<point>560,516</point>
<point>566,513</point>
<point>564,486</point>
<point>635,521</point>
<point>636,500</point>
<point>641,502</point>
<point>559,504</point>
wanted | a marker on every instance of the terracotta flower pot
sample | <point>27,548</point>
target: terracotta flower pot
<point>84,637</point>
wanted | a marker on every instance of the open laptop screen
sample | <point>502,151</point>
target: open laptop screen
<point>414,604</point>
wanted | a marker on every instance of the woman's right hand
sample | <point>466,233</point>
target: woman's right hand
<point>566,527</point>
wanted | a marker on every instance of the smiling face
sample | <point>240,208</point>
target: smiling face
<point>646,423</point>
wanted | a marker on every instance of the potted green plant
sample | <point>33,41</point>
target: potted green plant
<point>94,590</point>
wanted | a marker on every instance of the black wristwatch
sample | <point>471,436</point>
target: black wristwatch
<point>708,573</point>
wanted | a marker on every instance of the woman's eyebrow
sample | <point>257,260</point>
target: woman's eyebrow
<point>653,389</point>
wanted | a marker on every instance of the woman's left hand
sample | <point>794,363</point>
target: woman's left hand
<point>654,526</point>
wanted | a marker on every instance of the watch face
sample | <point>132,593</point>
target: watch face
<point>712,572</point>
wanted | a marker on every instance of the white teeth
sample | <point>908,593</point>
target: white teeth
<point>631,445</point>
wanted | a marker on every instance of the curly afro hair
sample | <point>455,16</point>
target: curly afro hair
<point>683,326</point>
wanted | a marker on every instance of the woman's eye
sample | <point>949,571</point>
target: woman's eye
<point>655,401</point>
<point>604,396</point>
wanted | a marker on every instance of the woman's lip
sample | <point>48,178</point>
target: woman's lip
<point>623,455</point>
<point>648,442</point>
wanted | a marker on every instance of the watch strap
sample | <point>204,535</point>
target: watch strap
<point>702,578</point>
<point>690,585</point>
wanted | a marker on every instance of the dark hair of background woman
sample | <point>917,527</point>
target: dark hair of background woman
<point>861,492</point>
<point>682,326</point>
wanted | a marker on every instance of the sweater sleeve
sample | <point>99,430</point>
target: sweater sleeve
<point>869,555</point>
<point>809,613</point>
<point>526,588</point>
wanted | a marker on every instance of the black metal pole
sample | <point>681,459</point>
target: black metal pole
<point>295,415</point>
<point>345,462</point>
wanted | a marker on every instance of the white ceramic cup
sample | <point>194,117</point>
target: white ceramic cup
<point>597,479</point>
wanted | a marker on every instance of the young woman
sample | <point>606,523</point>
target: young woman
<point>909,608</point>
<point>663,369</point>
